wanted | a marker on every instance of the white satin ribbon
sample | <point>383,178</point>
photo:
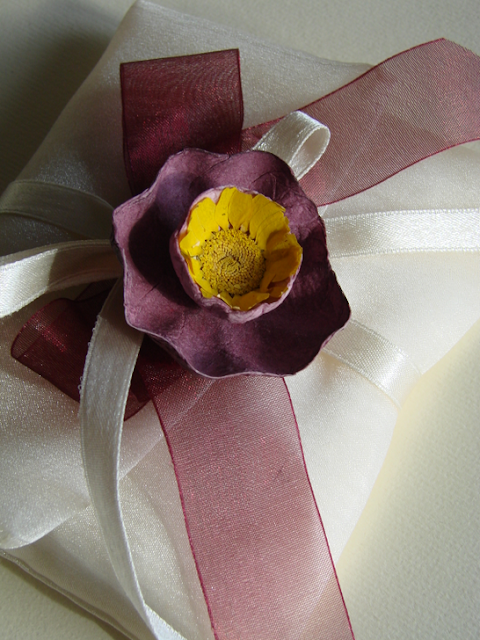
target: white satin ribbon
<point>384,364</point>
<point>110,362</point>
<point>404,231</point>
<point>114,346</point>
<point>72,209</point>
<point>27,275</point>
<point>375,358</point>
<point>109,366</point>
<point>298,140</point>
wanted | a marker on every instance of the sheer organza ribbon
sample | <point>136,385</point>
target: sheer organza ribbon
<point>405,109</point>
<point>292,617</point>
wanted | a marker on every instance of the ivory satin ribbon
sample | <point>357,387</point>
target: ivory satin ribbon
<point>113,351</point>
<point>115,346</point>
<point>28,275</point>
<point>364,350</point>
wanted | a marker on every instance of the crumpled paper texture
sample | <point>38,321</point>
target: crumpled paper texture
<point>445,181</point>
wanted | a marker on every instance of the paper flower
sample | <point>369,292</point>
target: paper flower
<point>290,310</point>
<point>235,253</point>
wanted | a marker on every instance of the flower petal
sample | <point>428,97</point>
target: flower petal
<point>278,289</point>
<point>276,238</point>
<point>271,225</point>
<point>282,265</point>
<point>240,211</point>
<point>279,342</point>
<point>266,215</point>
<point>204,215</point>
<point>226,297</point>
<point>191,244</point>
<point>249,300</point>
<point>203,283</point>
<point>222,208</point>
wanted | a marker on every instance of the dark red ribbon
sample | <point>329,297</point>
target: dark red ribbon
<point>255,531</point>
<point>254,528</point>
<point>174,103</point>
<point>407,108</point>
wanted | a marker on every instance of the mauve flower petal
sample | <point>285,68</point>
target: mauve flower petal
<point>280,342</point>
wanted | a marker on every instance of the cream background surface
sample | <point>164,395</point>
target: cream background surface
<point>411,569</point>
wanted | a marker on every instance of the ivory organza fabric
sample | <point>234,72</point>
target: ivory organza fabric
<point>406,253</point>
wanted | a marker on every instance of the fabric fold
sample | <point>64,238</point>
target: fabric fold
<point>421,303</point>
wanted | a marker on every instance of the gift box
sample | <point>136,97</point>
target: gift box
<point>429,303</point>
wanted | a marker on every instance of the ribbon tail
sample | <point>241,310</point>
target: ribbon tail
<point>108,370</point>
<point>254,528</point>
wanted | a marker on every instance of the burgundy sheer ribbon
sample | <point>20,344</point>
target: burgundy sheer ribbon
<point>405,109</point>
<point>255,532</point>
<point>253,524</point>
<point>175,103</point>
<point>54,343</point>
<point>254,528</point>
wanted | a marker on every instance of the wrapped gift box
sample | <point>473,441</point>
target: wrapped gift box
<point>344,468</point>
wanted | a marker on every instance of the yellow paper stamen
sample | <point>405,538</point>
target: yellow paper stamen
<point>232,262</point>
<point>240,248</point>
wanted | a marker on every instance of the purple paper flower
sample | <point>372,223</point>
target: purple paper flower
<point>277,334</point>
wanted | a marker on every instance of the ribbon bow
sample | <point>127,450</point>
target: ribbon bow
<point>364,350</point>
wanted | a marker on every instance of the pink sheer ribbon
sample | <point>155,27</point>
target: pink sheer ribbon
<point>406,109</point>
<point>253,524</point>
<point>254,528</point>
<point>54,343</point>
<point>256,535</point>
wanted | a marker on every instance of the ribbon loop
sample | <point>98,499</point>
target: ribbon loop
<point>189,101</point>
<point>27,275</point>
<point>375,358</point>
<point>298,140</point>
<point>65,207</point>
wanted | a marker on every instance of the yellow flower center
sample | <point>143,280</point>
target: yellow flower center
<point>232,262</point>
<point>238,247</point>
